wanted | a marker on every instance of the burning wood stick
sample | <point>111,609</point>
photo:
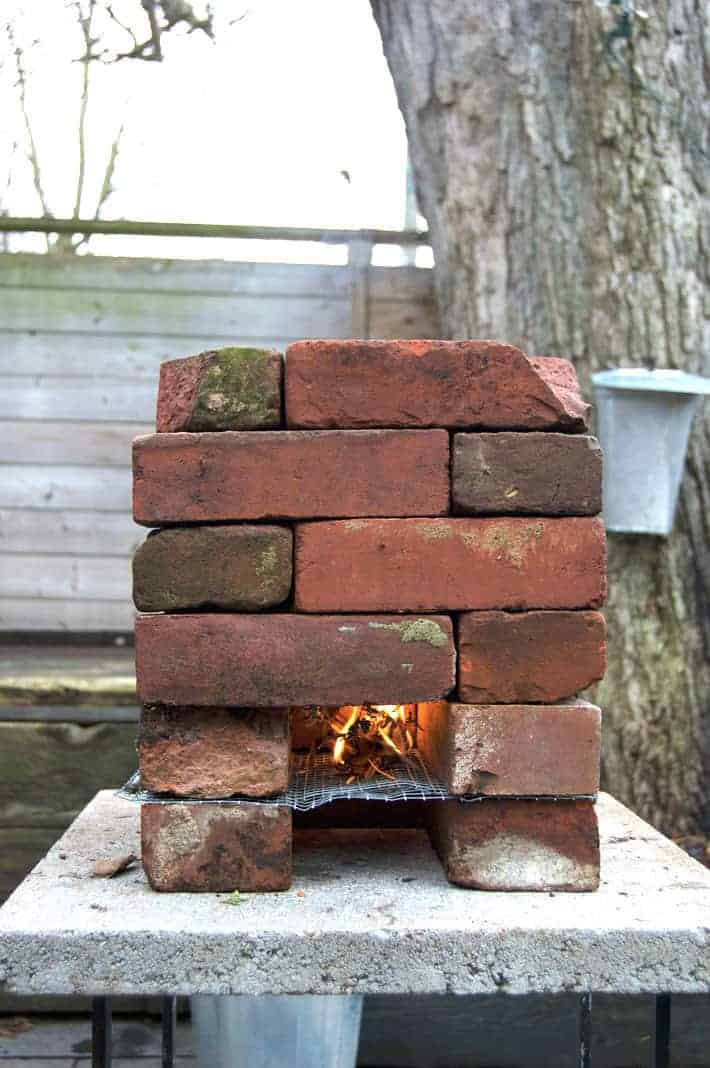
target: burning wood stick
<point>367,740</point>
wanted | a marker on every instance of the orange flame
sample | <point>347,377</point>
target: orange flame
<point>364,732</point>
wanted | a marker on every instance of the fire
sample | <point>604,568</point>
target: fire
<point>366,739</point>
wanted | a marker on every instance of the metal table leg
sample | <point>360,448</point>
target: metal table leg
<point>101,1033</point>
<point>169,1019</point>
<point>662,1037</point>
<point>584,1031</point>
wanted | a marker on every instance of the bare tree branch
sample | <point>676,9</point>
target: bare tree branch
<point>107,186</point>
<point>32,153</point>
<point>154,41</point>
<point>85,21</point>
<point>162,16</point>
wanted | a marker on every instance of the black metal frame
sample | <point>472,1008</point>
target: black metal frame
<point>584,1030</point>
<point>662,1036</point>
<point>101,1036</point>
<point>101,1032</point>
<point>101,1041</point>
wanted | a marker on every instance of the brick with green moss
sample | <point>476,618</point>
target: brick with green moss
<point>225,389</point>
<point>242,568</point>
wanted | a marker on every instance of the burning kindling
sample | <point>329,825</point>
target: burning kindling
<point>369,740</point>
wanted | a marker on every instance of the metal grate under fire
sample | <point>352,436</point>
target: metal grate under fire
<point>315,782</point>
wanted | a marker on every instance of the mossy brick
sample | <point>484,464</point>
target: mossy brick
<point>289,474</point>
<point>529,656</point>
<point>423,565</point>
<point>243,567</point>
<point>508,845</point>
<point>224,389</point>
<point>454,384</point>
<point>273,661</point>
<point>512,750</point>
<point>532,473</point>
<point>214,752</point>
<point>217,847</point>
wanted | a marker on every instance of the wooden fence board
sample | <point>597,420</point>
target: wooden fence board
<point>68,615</point>
<point>55,397</point>
<point>115,355</point>
<point>30,530</point>
<point>127,313</point>
<point>83,444</point>
<point>56,575</point>
<point>389,318</point>
<point>106,489</point>
<point>28,270</point>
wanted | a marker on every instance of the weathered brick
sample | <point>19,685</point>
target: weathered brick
<point>216,848</point>
<point>263,661</point>
<point>526,474</point>
<point>499,750</point>
<point>411,565</point>
<point>429,383</point>
<point>242,567</point>
<point>517,845</point>
<point>214,752</point>
<point>180,478</point>
<point>529,656</point>
<point>226,389</point>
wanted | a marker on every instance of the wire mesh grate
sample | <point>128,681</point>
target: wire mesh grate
<point>315,781</point>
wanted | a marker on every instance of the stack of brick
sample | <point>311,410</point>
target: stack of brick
<point>374,522</point>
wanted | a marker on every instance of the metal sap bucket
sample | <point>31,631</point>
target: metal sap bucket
<point>294,1030</point>
<point>643,424</point>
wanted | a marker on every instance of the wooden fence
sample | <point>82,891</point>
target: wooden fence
<point>81,339</point>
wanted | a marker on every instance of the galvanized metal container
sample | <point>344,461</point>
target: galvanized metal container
<point>643,422</point>
<point>303,1030</point>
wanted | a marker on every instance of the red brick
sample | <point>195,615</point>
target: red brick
<point>216,847</point>
<point>411,565</point>
<point>242,567</point>
<point>529,656</point>
<point>214,752</point>
<point>264,661</point>
<point>526,474</point>
<point>181,478</point>
<point>499,750</point>
<point>517,845</point>
<point>226,389</point>
<point>429,383</point>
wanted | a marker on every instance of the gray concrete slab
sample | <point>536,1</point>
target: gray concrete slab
<point>369,912</point>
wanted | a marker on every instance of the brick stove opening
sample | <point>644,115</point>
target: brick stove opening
<point>360,741</point>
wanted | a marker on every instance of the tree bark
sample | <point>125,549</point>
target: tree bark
<point>562,172</point>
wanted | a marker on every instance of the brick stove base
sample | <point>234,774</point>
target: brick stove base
<point>495,844</point>
<point>493,752</point>
<point>370,523</point>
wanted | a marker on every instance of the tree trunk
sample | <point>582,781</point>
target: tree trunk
<point>562,172</point>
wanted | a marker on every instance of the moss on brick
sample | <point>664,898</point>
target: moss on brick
<point>417,630</point>
<point>237,567</point>
<point>239,389</point>
<point>512,541</point>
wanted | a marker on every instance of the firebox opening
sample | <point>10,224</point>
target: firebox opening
<point>362,741</point>
<point>351,753</point>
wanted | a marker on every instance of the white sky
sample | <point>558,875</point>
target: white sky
<point>256,129</point>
